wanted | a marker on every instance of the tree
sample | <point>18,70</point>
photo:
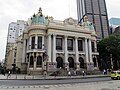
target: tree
<point>108,47</point>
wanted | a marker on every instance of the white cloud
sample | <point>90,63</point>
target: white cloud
<point>113,8</point>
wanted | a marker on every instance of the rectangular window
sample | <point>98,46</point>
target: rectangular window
<point>39,45</point>
<point>95,6</point>
<point>102,7</point>
<point>88,4</point>
<point>14,60</point>
<point>33,43</point>
<point>70,44</point>
<point>58,43</point>
<point>98,25</point>
<point>15,54</point>
<point>80,45</point>
<point>93,46</point>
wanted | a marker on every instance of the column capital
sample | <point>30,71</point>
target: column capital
<point>66,36</point>
<point>76,37</point>
<point>54,34</point>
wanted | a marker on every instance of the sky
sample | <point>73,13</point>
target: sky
<point>13,10</point>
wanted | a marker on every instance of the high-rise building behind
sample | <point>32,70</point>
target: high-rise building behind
<point>15,29</point>
<point>114,22</point>
<point>97,14</point>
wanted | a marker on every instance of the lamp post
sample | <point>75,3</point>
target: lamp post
<point>111,61</point>
<point>16,71</point>
<point>45,57</point>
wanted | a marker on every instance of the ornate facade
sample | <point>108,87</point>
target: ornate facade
<point>49,45</point>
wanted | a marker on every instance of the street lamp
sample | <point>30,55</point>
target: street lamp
<point>45,57</point>
<point>16,71</point>
<point>13,68</point>
<point>111,61</point>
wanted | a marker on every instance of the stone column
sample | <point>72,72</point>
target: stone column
<point>86,51</point>
<point>49,48</point>
<point>30,42</point>
<point>36,41</point>
<point>43,42</point>
<point>76,48</point>
<point>35,63</point>
<point>24,49</point>
<point>90,51</point>
<point>95,46</point>
<point>28,68</point>
<point>66,53</point>
<point>76,52</point>
<point>54,48</point>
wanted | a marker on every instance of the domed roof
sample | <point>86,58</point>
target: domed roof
<point>39,18</point>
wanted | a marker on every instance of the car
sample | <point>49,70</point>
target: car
<point>115,74</point>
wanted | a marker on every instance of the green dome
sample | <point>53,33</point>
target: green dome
<point>39,18</point>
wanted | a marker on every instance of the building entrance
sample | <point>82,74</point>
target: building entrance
<point>71,62</point>
<point>59,62</point>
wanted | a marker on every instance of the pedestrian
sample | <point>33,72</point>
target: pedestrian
<point>74,73</point>
<point>4,72</point>
<point>83,73</point>
<point>55,74</point>
<point>69,73</point>
<point>9,74</point>
<point>104,71</point>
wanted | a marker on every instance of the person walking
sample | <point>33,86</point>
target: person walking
<point>9,74</point>
<point>69,73</point>
<point>83,73</point>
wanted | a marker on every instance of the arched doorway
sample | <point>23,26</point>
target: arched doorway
<point>59,62</point>
<point>95,62</point>
<point>39,61</point>
<point>31,61</point>
<point>71,62</point>
<point>82,64</point>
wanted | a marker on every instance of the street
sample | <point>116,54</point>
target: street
<point>71,84</point>
<point>51,82</point>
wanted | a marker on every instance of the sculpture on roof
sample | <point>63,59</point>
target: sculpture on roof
<point>39,18</point>
<point>88,24</point>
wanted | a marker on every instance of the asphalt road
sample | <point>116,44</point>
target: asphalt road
<point>51,82</point>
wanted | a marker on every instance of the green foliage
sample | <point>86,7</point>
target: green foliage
<point>110,46</point>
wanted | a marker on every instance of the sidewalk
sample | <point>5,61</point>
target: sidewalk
<point>41,77</point>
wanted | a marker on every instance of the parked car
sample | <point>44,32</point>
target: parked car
<point>115,74</point>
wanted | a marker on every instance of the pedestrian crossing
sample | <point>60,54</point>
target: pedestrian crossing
<point>39,86</point>
<point>35,86</point>
<point>109,85</point>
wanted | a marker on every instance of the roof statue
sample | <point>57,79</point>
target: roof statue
<point>39,18</point>
<point>88,24</point>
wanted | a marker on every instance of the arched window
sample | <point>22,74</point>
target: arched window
<point>31,61</point>
<point>71,62</point>
<point>59,62</point>
<point>81,60</point>
<point>39,61</point>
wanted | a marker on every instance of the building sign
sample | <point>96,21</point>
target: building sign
<point>90,66</point>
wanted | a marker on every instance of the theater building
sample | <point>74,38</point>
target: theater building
<point>49,45</point>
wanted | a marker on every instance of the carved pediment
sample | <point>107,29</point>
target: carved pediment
<point>70,21</point>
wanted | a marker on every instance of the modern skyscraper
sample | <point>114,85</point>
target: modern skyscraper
<point>97,14</point>
<point>15,29</point>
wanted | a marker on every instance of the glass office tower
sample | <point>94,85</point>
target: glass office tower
<point>97,14</point>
